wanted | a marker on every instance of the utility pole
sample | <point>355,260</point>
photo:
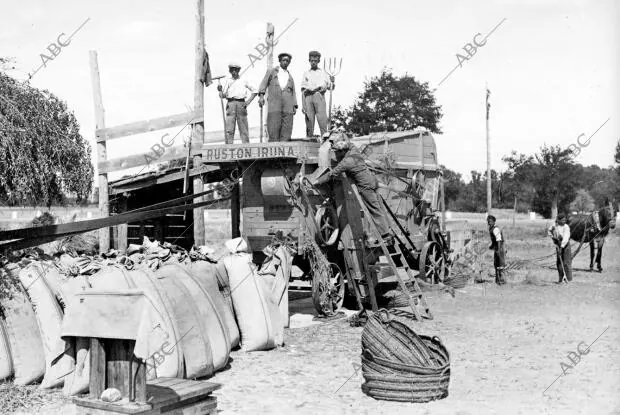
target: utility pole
<point>198,128</point>
<point>488,107</point>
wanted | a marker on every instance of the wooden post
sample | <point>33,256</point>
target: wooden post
<point>104,210</point>
<point>443,204</point>
<point>270,39</point>
<point>235,211</point>
<point>489,199</point>
<point>121,230</point>
<point>198,128</point>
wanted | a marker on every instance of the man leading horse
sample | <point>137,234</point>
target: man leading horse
<point>592,229</point>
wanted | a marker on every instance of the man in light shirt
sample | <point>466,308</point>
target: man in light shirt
<point>560,234</point>
<point>499,252</point>
<point>313,87</point>
<point>235,91</point>
<point>281,100</point>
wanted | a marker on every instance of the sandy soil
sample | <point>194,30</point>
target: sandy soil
<point>506,345</point>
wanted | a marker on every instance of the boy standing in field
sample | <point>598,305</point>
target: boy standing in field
<point>499,253</point>
<point>560,234</point>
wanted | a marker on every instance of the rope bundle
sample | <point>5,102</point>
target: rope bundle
<point>400,365</point>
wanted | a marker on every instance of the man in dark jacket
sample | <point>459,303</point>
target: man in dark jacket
<point>499,253</point>
<point>281,100</point>
<point>351,162</point>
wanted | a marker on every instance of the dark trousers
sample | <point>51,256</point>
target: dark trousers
<point>374,208</point>
<point>499,262</point>
<point>564,262</point>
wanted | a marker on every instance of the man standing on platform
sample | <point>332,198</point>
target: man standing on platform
<point>281,100</point>
<point>499,252</point>
<point>560,234</point>
<point>313,87</point>
<point>235,91</point>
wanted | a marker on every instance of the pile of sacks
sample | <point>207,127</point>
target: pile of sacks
<point>203,306</point>
<point>400,365</point>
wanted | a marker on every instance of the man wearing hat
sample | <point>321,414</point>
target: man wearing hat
<point>281,100</point>
<point>499,252</point>
<point>235,91</point>
<point>351,162</point>
<point>313,87</point>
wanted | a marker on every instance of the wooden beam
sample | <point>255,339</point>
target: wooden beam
<point>129,185</point>
<point>198,128</point>
<point>154,124</point>
<point>104,233</point>
<point>144,159</point>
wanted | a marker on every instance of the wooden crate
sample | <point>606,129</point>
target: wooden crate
<point>164,396</point>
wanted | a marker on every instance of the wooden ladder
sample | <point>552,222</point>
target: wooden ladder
<point>394,256</point>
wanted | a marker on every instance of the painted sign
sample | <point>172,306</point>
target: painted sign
<point>234,153</point>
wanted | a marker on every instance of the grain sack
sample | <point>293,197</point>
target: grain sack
<point>257,313</point>
<point>211,323</point>
<point>49,317</point>
<point>6,362</point>
<point>197,352</point>
<point>118,278</point>
<point>204,273</point>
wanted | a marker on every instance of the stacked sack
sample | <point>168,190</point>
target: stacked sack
<point>256,307</point>
<point>400,365</point>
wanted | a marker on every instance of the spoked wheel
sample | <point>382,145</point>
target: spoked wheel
<point>328,290</point>
<point>326,219</point>
<point>432,264</point>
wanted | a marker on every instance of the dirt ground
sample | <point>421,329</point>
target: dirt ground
<point>506,346</point>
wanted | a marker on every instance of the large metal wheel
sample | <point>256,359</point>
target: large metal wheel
<point>432,264</point>
<point>328,291</point>
<point>326,219</point>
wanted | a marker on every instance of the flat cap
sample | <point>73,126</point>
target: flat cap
<point>234,65</point>
<point>314,53</point>
<point>285,54</point>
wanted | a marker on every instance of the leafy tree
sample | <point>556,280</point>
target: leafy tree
<point>390,103</point>
<point>43,157</point>
<point>452,185</point>
<point>583,202</point>
<point>617,156</point>
<point>552,175</point>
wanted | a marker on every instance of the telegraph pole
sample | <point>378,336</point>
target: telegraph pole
<point>488,107</point>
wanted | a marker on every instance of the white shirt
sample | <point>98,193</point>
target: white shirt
<point>314,79</point>
<point>497,234</point>
<point>560,232</point>
<point>283,76</point>
<point>236,88</point>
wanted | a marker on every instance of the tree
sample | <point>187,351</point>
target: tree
<point>553,175</point>
<point>43,157</point>
<point>583,202</point>
<point>617,156</point>
<point>390,103</point>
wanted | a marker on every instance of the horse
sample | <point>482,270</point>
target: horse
<point>583,230</point>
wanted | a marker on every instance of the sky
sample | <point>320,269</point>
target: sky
<point>551,65</point>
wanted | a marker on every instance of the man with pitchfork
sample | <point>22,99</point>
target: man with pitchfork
<point>560,234</point>
<point>314,84</point>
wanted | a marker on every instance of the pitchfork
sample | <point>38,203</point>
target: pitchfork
<point>332,68</point>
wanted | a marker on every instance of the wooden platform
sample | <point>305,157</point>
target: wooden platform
<point>164,396</point>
